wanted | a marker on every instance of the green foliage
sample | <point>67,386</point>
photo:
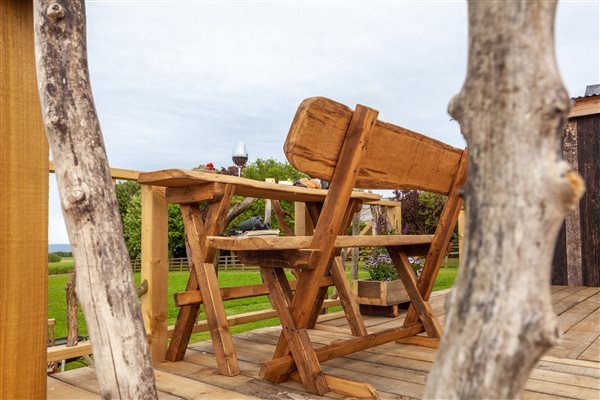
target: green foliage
<point>125,192</point>
<point>260,170</point>
<point>62,267</point>
<point>53,257</point>
<point>132,229</point>
<point>64,253</point>
<point>421,212</point>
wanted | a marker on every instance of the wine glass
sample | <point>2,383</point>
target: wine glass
<point>239,155</point>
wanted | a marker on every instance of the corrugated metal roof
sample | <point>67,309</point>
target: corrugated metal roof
<point>590,90</point>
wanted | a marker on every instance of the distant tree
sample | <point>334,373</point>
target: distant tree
<point>125,191</point>
<point>421,211</point>
<point>53,257</point>
<point>132,229</point>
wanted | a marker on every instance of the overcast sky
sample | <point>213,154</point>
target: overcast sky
<point>176,84</point>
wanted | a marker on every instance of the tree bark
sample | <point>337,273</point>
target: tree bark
<point>511,111</point>
<point>72,307</point>
<point>104,281</point>
<point>238,209</point>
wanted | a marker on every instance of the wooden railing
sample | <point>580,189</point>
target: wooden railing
<point>226,262</point>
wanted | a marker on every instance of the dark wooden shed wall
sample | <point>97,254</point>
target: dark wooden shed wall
<point>582,134</point>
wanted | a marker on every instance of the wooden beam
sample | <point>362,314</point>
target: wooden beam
<point>237,292</point>
<point>278,258</point>
<point>155,269</point>
<point>59,353</point>
<point>272,243</point>
<point>346,387</point>
<point>341,348</point>
<point>585,106</point>
<point>432,343</point>
<point>195,194</point>
<point>117,173</point>
<point>23,210</point>
<point>243,186</point>
<point>261,315</point>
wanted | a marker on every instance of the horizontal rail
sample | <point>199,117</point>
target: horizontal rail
<point>58,353</point>
<point>116,173</point>
<point>202,326</point>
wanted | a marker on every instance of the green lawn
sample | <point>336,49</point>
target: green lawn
<point>177,282</point>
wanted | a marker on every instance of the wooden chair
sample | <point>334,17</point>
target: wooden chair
<point>327,140</point>
<point>191,188</point>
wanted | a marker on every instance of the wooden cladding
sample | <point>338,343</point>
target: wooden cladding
<point>577,256</point>
<point>395,158</point>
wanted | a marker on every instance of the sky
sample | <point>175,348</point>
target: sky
<point>178,83</point>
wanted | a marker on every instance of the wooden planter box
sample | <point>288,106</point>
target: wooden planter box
<point>380,298</point>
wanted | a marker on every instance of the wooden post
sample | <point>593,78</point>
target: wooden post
<point>461,233</point>
<point>302,222</point>
<point>268,205</point>
<point>23,211</point>
<point>155,269</point>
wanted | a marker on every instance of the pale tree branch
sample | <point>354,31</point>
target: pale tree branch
<point>511,110</point>
<point>104,281</point>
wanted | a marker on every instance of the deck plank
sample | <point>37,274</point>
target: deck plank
<point>398,371</point>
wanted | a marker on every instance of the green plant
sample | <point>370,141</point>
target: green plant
<point>53,257</point>
<point>382,268</point>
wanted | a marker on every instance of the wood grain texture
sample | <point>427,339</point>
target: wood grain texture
<point>303,242</point>
<point>338,274</point>
<point>155,269</point>
<point>341,348</point>
<point>237,292</point>
<point>206,277</point>
<point>23,210</point>
<point>194,194</point>
<point>318,131</point>
<point>188,315</point>
<point>243,187</point>
<point>297,338</point>
<point>335,214</point>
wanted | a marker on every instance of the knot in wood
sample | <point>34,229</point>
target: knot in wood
<point>77,195</point>
<point>56,12</point>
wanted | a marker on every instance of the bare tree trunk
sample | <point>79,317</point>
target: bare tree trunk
<point>511,110</point>
<point>104,282</point>
<point>238,209</point>
<point>355,250</point>
<point>72,307</point>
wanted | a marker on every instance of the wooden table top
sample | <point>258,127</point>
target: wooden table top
<point>243,187</point>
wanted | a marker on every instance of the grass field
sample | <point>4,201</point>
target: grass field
<point>177,282</point>
<point>64,266</point>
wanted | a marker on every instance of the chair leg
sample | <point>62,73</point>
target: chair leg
<point>203,277</point>
<point>409,279</point>
<point>355,320</point>
<point>297,339</point>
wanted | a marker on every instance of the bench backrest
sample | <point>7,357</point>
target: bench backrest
<point>396,158</point>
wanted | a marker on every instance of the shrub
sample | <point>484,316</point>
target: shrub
<point>53,257</point>
<point>382,268</point>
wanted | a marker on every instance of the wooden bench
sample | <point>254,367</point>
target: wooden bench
<point>189,189</point>
<point>328,140</point>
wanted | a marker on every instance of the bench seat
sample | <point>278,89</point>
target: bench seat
<point>303,242</point>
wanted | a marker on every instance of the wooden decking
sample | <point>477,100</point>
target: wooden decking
<point>569,370</point>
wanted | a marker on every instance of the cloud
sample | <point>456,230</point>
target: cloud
<point>178,83</point>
